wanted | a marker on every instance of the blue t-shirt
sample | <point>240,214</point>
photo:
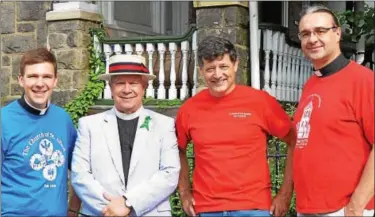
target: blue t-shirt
<point>36,152</point>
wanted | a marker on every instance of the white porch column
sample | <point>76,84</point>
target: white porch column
<point>254,55</point>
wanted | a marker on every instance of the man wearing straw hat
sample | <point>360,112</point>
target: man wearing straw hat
<point>126,159</point>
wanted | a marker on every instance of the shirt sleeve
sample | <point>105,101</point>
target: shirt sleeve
<point>364,105</point>
<point>2,149</point>
<point>182,130</point>
<point>72,140</point>
<point>4,143</point>
<point>277,121</point>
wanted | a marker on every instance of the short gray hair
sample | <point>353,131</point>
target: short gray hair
<point>320,9</point>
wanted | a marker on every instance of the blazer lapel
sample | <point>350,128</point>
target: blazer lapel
<point>110,130</point>
<point>140,141</point>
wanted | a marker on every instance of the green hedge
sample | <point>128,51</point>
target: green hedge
<point>275,179</point>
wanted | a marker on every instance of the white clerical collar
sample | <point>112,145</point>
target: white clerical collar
<point>41,111</point>
<point>131,116</point>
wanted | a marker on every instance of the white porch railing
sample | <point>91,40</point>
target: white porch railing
<point>284,69</point>
<point>172,59</point>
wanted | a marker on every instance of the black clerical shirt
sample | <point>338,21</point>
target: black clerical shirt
<point>127,130</point>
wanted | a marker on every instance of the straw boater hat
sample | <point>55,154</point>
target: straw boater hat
<point>125,64</point>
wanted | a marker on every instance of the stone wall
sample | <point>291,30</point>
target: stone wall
<point>231,22</point>
<point>29,25</point>
<point>69,40</point>
<point>23,27</point>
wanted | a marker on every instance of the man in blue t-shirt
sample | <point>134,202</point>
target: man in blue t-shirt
<point>36,145</point>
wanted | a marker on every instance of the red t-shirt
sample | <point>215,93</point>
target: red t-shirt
<point>229,136</point>
<point>335,134</point>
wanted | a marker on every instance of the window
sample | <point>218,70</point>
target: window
<point>275,12</point>
<point>146,17</point>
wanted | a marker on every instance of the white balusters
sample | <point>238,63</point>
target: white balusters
<point>150,89</point>
<point>148,50</point>
<point>161,88</point>
<point>172,89</point>
<point>107,53</point>
<point>288,74</point>
<point>308,70</point>
<point>195,74</point>
<point>280,66</point>
<point>117,49</point>
<point>295,75</point>
<point>284,72</point>
<point>267,43</point>
<point>275,51</point>
<point>301,75</point>
<point>128,49</point>
<point>184,76</point>
<point>139,49</point>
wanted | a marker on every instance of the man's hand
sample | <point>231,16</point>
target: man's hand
<point>351,210</point>
<point>116,206</point>
<point>72,214</point>
<point>280,204</point>
<point>188,203</point>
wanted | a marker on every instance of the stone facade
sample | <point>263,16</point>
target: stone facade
<point>25,26</point>
<point>69,40</point>
<point>22,27</point>
<point>231,22</point>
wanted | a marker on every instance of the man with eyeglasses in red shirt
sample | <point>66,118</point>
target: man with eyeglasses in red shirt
<point>334,153</point>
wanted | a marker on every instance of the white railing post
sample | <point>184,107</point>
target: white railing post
<point>150,92</point>
<point>284,72</point>
<point>300,78</point>
<point>128,49</point>
<point>288,73</point>
<point>107,53</point>
<point>295,75</point>
<point>117,49</point>
<point>267,43</point>
<point>308,70</point>
<point>275,52</point>
<point>139,49</point>
<point>184,76</point>
<point>172,89</point>
<point>161,88</point>
<point>280,67</point>
<point>195,74</point>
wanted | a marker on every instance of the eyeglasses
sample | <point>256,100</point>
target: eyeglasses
<point>318,32</point>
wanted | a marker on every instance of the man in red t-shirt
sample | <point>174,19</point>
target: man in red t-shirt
<point>334,155</point>
<point>228,125</point>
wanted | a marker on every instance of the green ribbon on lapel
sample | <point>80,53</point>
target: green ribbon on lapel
<point>146,123</point>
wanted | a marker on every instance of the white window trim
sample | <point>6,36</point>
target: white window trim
<point>285,14</point>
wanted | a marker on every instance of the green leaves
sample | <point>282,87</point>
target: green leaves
<point>94,87</point>
<point>357,24</point>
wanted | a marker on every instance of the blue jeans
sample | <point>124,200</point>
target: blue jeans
<point>236,213</point>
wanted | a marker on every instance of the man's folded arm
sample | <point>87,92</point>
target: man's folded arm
<point>86,187</point>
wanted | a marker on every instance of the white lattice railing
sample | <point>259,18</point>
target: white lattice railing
<point>173,60</point>
<point>284,68</point>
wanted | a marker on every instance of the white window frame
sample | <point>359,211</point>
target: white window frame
<point>285,14</point>
<point>106,8</point>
